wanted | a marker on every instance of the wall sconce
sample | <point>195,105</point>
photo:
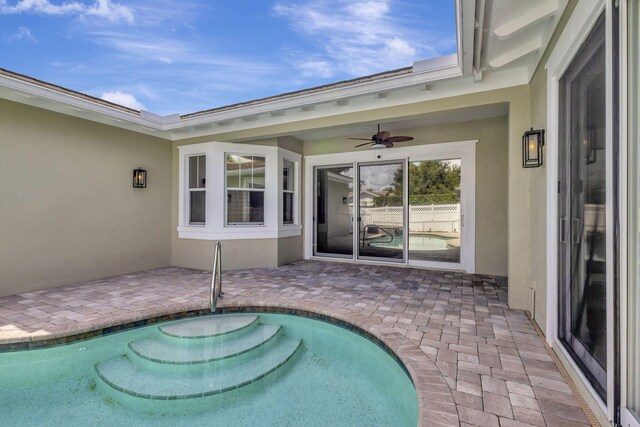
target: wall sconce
<point>139,178</point>
<point>532,143</point>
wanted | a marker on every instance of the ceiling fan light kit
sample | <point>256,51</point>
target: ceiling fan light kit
<point>382,140</point>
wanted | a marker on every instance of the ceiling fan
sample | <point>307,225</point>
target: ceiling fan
<point>383,139</point>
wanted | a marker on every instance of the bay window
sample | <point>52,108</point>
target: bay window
<point>231,191</point>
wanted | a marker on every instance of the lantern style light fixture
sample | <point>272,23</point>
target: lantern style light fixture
<point>139,178</point>
<point>532,143</point>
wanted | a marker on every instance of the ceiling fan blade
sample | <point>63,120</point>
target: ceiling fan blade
<point>399,138</point>
<point>366,143</point>
<point>361,139</point>
<point>388,143</point>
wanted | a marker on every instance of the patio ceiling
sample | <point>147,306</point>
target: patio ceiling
<point>500,43</point>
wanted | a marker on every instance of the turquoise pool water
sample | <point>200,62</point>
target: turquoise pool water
<point>335,378</point>
<point>417,242</point>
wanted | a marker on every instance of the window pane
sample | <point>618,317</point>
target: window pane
<point>233,171</point>
<point>202,171</point>
<point>288,175</point>
<point>197,207</point>
<point>193,172</point>
<point>197,171</point>
<point>257,165</point>
<point>245,207</point>
<point>287,210</point>
<point>434,210</point>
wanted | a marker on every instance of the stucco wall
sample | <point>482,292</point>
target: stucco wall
<point>491,179</point>
<point>68,212</point>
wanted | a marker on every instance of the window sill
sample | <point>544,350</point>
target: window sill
<point>238,233</point>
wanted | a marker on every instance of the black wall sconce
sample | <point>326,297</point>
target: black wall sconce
<point>532,143</point>
<point>139,178</point>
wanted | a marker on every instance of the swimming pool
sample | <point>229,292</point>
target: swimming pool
<point>417,242</point>
<point>328,376</point>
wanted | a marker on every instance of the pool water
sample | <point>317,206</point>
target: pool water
<point>417,242</point>
<point>336,378</point>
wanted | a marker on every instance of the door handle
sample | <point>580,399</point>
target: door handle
<point>563,234</point>
<point>575,230</point>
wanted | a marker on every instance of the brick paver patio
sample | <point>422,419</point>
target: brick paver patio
<point>474,361</point>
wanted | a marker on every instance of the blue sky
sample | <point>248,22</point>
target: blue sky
<point>183,56</point>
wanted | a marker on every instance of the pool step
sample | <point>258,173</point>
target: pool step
<point>199,357</point>
<point>160,351</point>
<point>209,326</point>
<point>121,374</point>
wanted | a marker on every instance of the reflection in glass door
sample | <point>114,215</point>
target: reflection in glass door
<point>583,261</point>
<point>381,211</point>
<point>435,218</point>
<point>333,218</point>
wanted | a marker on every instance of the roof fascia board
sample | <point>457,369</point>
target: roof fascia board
<point>465,29</point>
<point>499,79</point>
<point>32,90</point>
<point>330,95</point>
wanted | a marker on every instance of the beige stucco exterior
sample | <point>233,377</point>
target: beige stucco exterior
<point>68,211</point>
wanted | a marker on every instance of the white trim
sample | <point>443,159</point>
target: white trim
<point>296,159</point>
<point>464,150</point>
<point>627,419</point>
<point>583,385</point>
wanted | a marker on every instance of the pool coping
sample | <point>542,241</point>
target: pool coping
<point>435,400</point>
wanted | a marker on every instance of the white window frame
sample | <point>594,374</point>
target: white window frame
<point>215,227</point>
<point>464,150</point>
<point>192,190</point>
<point>296,160</point>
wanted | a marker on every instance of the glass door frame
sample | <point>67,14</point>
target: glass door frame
<point>463,150</point>
<point>315,207</point>
<point>628,162</point>
<point>579,26</point>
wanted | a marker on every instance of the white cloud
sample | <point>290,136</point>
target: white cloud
<point>399,50</point>
<point>106,9</point>
<point>110,11</point>
<point>314,67</point>
<point>354,38</point>
<point>22,34</point>
<point>124,99</point>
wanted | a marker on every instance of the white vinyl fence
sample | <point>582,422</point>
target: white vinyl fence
<point>444,218</point>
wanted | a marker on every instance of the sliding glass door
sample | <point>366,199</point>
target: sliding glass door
<point>583,231</point>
